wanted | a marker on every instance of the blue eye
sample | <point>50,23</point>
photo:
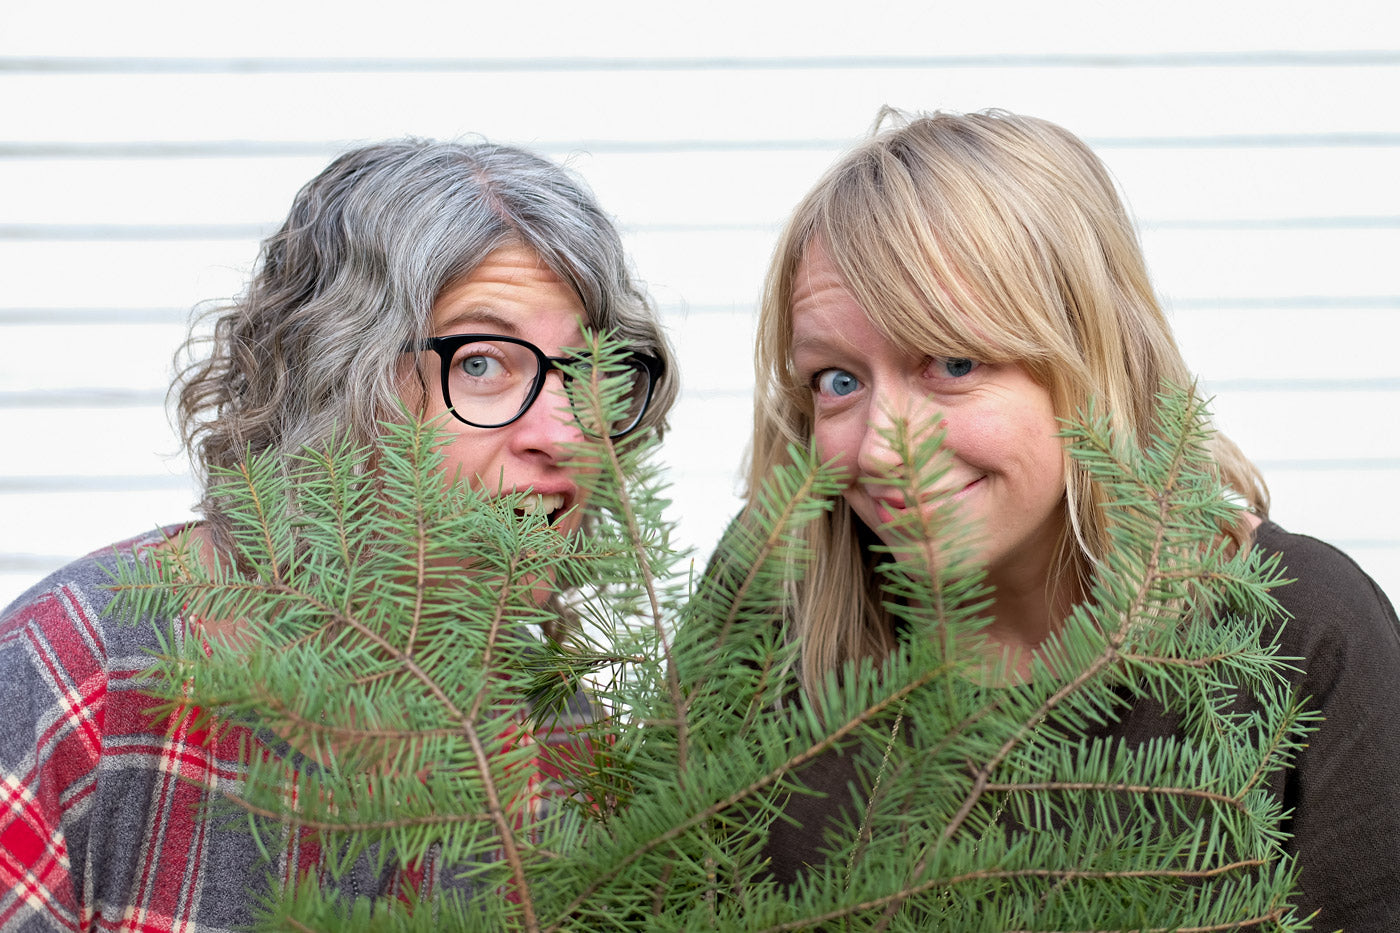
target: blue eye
<point>955,366</point>
<point>836,382</point>
<point>480,366</point>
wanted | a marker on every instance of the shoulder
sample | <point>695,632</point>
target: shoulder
<point>1343,792</point>
<point>60,625</point>
<point>61,658</point>
<point>1337,625</point>
<point>1319,571</point>
<point>1327,591</point>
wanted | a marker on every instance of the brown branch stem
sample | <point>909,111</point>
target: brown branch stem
<point>286,818</point>
<point>466,722</point>
<point>792,763</point>
<point>1118,788</point>
<point>894,899</point>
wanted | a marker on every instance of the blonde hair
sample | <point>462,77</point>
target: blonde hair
<point>990,236</point>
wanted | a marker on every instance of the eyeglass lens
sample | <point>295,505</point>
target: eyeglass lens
<point>490,383</point>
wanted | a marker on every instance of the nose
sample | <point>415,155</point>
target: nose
<point>548,426</point>
<point>900,418</point>
<point>877,454</point>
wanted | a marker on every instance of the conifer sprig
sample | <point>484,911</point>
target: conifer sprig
<point>394,668</point>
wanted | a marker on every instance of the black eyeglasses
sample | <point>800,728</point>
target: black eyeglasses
<point>489,381</point>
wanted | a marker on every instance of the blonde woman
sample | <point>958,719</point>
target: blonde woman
<point>982,267</point>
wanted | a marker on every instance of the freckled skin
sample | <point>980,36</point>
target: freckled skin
<point>511,293</point>
<point>1007,468</point>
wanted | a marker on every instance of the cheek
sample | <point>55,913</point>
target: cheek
<point>468,459</point>
<point>835,440</point>
<point>995,440</point>
<point>1042,457</point>
<point>982,438</point>
<point>1051,472</point>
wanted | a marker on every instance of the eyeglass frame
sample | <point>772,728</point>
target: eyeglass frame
<point>446,346</point>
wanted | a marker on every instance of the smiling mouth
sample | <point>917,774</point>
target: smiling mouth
<point>549,505</point>
<point>894,505</point>
<point>969,487</point>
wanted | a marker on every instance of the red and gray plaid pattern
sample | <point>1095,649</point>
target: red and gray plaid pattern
<point>98,797</point>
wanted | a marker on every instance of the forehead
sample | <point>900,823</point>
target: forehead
<point>513,292</point>
<point>821,307</point>
<point>815,274</point>
<point>924,307</point>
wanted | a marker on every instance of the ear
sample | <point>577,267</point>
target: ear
<point>415,388</point>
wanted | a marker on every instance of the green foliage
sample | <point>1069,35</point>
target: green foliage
<point>395,645</point>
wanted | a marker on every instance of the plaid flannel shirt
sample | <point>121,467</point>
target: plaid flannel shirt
<point>98,827</point>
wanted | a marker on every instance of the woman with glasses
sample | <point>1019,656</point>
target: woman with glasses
<point>977,274</point>
<point>445,278</point>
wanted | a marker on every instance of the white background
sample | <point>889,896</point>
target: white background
<point>145,149</point>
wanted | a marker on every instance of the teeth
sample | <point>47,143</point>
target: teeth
<point>536,504</point>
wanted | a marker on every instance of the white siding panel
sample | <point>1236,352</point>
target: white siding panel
<point>722,268</point>
<point>1328,429</point>
<point>56,358</point>
<point>712,422</point>
<point>122,274</point>
<point>705,454</point>
<point>710,104</point>
<point>1203,185</point>
<point>719,28</point>
<point>43,523</point>
<point>1342,509</point>
<point>106,191</point>
<point>715,351</point>
<point>694,187</point>
<point>716,266</point>
<point>1192,186</point>
<point>1196,265</point>
<point>111,445</point>
<point>1262,175</point>
<point>1287,343</point>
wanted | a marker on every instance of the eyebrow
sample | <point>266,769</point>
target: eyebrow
<point>818,343</point>
<point>477,317</point>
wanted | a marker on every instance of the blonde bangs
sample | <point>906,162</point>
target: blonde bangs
<point>987,236</point>
<point>932,259</point>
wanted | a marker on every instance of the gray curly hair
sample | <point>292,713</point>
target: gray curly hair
<point>311,349</point>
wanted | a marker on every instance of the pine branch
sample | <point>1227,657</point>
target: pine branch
<point>895,898</point>
<point>600,400</point>
<point>785,505</point>
<point>734,800</point>
<point>1144,790</point>
<point>394,644</point>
